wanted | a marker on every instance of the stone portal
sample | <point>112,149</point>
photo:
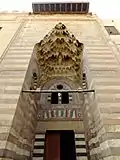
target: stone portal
<point>59,145</point>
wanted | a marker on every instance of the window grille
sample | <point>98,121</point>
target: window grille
<point>112,30</point>
<point>81,7</point>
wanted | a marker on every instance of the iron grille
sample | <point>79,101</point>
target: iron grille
<point>81,7</point>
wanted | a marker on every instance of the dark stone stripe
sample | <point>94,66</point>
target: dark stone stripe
<point>78,132</point>
<point>80,139</point>
<point>4,153</point>
<point>40,139</point>
<point>38,154</point>
<point>81,154</point>
<point>38,147</point>
<point>41,132</point>
<point>80,146</point>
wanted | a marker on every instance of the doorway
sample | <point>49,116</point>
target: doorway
<point>59,145</point>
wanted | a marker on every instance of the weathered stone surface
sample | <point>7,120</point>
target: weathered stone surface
<point>102,66</point>
<point>58,125</point>
<point>59,54</point>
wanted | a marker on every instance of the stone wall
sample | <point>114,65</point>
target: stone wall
<point>16,115</point>
<point>77,126</point>
<point>25,118</point>
<point>101,110</point>
<point>103,113</point>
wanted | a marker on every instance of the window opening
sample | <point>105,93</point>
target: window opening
<point>54,98</point>
<point>112,30</point>
<point>60,7</point>
<point>65,98</point>
<point>58,97</point>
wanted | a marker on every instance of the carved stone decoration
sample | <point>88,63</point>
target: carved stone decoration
<point>61,114</point>
<point>59,54</point>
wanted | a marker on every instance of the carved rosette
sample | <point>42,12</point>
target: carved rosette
<point>59,54</point>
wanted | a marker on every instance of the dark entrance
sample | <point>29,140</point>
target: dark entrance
<point>67,146</point>
<point>65,98</point>
<point>60,145</point>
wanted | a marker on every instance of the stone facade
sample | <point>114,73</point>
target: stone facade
<point>18,110</point>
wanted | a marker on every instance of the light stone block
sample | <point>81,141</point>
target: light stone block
<point>3,144</point>
<point>110,143</point>
<point>80,150</point>
<point>39,143</point>
<point>37,158</point>
<point>80,142</point>
<point>112,128</point>
<point>38,151</point>
<point>82,158</point>
<point>4,129</point>
<point>112,158</point>
<point>40,136</point>
<point>79,135</point>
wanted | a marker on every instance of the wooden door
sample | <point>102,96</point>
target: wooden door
<point>52,146</point>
